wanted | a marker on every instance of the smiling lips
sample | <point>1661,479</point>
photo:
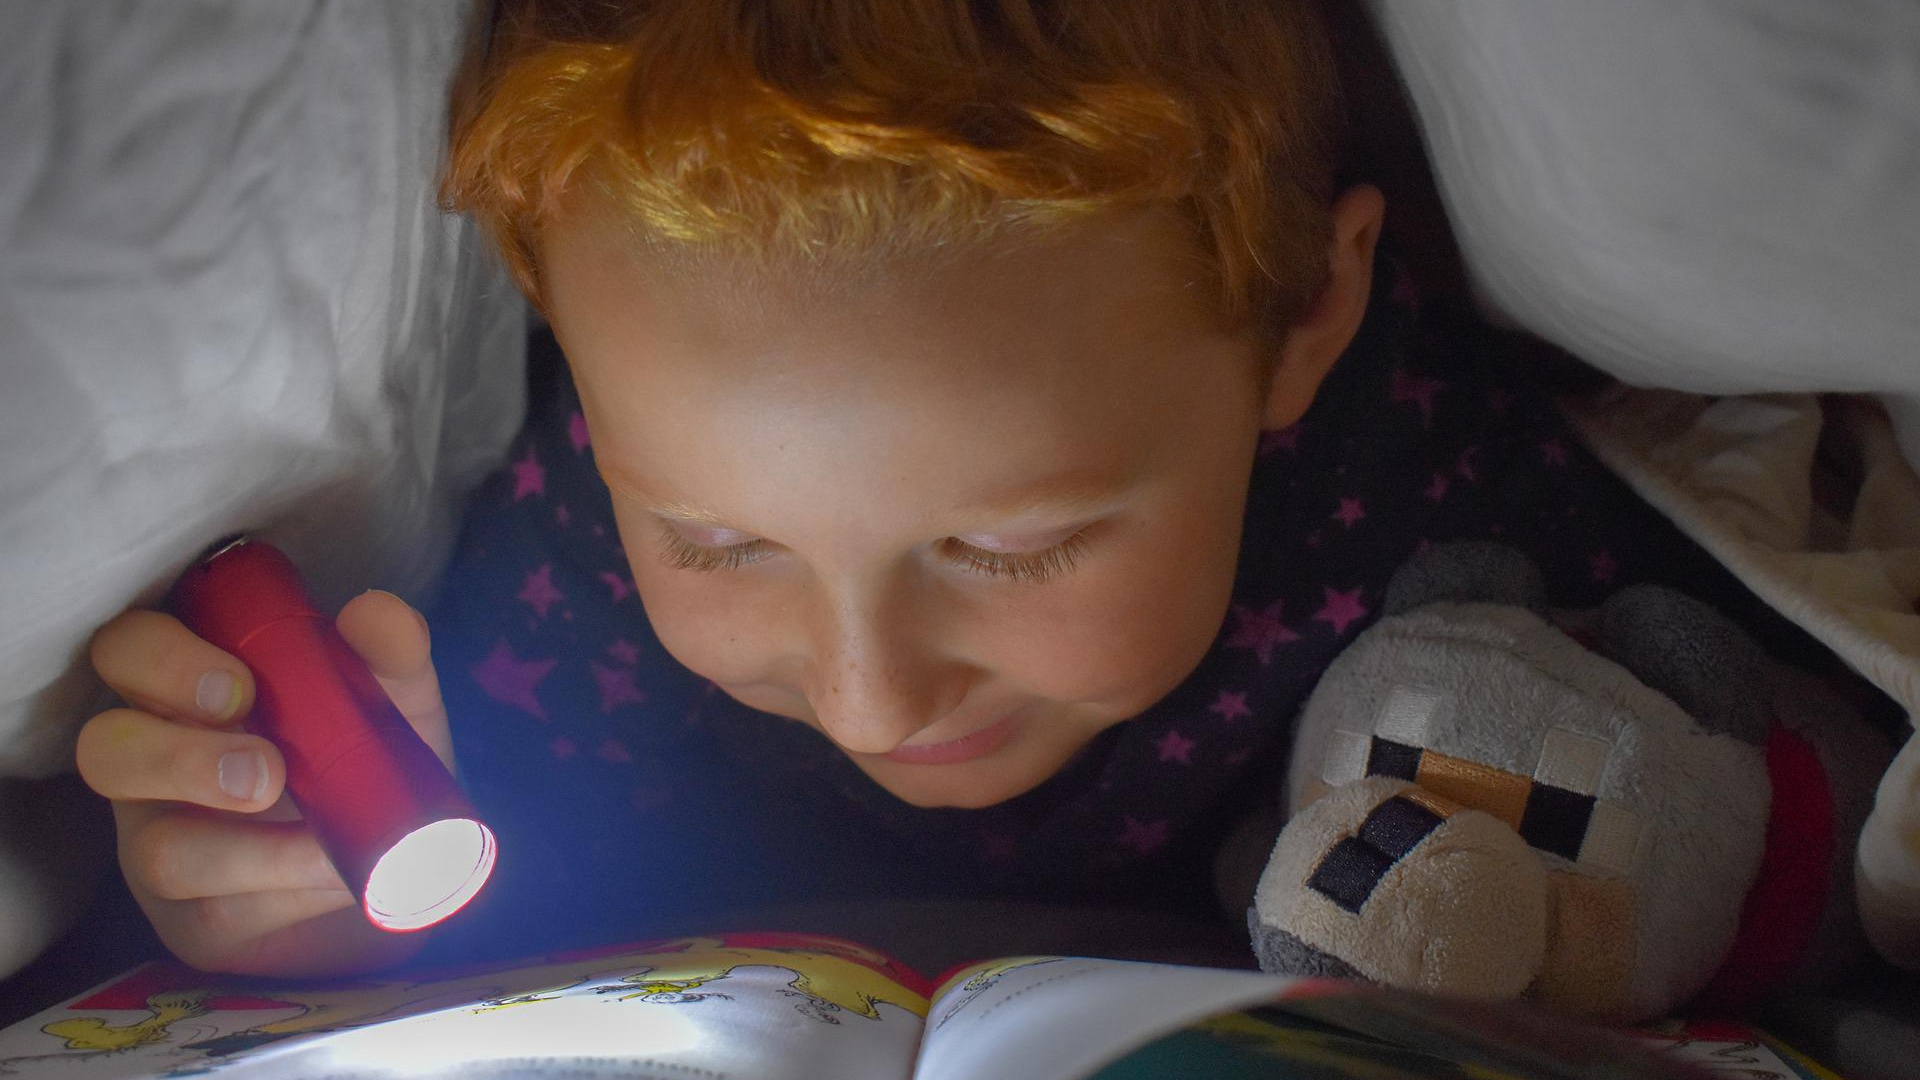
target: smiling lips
<point>966,748</point>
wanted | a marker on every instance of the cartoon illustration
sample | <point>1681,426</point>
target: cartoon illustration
<point>174,1015</point>
<point>1728,1052</point>
<point>94,1033</point>
<point>828,976</point>
<point>970,983</point>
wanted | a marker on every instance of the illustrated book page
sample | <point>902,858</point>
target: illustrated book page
<point>781,1006</point>
<point>771,1006</point>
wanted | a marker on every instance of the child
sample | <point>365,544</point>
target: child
<point>961,378</point>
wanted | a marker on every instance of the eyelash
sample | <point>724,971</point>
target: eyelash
<point>683,554</point>
<point>1030,567</point>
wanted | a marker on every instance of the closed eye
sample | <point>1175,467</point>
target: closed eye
<point>683,554</point>
<point>1030,567</point>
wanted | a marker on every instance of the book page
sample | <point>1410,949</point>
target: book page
<point>1736,1051</point>
<point>733,1007</point>
<point>1050,1018</point>
<point>1061,1018</point>
<point>1265,1042</point>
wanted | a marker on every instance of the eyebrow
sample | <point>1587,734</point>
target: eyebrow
<point>663,507</point>
<point>1074,491</point>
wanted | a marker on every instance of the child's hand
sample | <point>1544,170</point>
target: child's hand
<point>229,876</point>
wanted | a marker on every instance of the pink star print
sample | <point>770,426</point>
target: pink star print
<point>1553,452</point>
<point>617,584</point>
<point>1341,609</point>
<point>529,478</point>
<point>539,590</point>
<point>1230,705</point>
<point>1287,438</point>
<point>510,680</point>
<point>1415,388</point>
<point>623,652</point>
<point>562,515</point>
<point>1351,511</point>
<point>616,686</point>
<point>563,748</point>
<point>1603,566</point>
<point>1144,837</point>
<point>1260,631</point>
<point>1465,466</point>
<point>577,431</point>
<point>1405,291</point>
<point>1174,746</point>
<point>1437,487</point>
<point>613,751</point>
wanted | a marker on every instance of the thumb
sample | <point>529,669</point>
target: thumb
<point>392,638</point>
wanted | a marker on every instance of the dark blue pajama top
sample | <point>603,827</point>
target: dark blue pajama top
<point>627,790</point>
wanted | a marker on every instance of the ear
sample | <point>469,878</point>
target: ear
<point>1317,340</point>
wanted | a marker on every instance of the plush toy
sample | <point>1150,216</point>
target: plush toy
<point>1611,812</point>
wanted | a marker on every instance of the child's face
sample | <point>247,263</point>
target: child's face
<point>814,485</point>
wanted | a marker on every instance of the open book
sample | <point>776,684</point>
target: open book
<point>800,1007</point>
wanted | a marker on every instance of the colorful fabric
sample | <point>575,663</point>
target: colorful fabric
<point>626,789</point>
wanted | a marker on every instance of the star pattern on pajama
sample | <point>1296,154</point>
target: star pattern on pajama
<point>560,685</point>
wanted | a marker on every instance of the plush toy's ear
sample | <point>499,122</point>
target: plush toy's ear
<point>1467,572</point>
<point>1691,653</point>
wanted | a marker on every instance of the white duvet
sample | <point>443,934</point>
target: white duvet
<point>1720,196</point>
<point>227,302</point>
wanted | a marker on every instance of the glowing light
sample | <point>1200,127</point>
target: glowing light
<point>430,874</point>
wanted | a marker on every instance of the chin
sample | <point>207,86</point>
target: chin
<point>946,787</point>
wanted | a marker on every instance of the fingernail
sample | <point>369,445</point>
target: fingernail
<point>218,695</point>
<point>411,610</point>
<point>243,774</point>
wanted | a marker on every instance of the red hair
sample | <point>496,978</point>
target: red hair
<point>825,129</point>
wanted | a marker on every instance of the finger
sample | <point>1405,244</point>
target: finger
<point>159,666</point>
<point>304,933</point>
<point>127,754</point>
<point>392,638</point>
<point>187,855</point>
<point>224,933</point>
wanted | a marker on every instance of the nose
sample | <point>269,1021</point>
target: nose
<point>877,678</point>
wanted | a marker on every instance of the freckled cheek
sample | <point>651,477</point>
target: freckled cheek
<point>708,622</point>
<point>1160,607</point>
<point>1121,635</point>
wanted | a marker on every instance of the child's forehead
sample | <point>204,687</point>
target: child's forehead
<point>1035,329</point>
<point>1146,254</point>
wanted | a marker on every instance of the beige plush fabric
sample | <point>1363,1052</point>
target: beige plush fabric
<point>1810,501</point>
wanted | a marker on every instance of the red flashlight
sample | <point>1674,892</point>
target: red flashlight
<point>386,810</point>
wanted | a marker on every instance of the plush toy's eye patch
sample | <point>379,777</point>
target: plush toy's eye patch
<point>1556,809</point>
<point>1572,761</point>
<point>1353,866</point>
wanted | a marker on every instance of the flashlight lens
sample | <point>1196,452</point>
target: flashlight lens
<point>430,874</point>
